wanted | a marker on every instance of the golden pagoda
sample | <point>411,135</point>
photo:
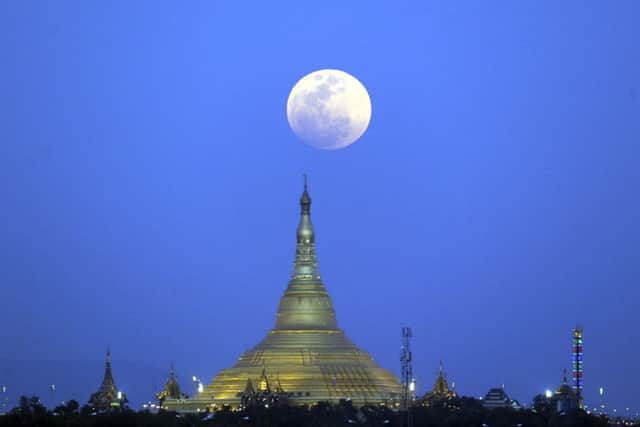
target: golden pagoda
<point>108,396</point>
<point>314,359</point>
<point>440,392</point>
<point>171,389</point>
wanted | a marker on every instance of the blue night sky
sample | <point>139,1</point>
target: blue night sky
<point>149,186</point>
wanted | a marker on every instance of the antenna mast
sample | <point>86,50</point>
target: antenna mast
<point>408,386</point>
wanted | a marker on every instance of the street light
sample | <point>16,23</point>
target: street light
<point>548,394</point>
<point>197,384</point>
<point>5,399</point>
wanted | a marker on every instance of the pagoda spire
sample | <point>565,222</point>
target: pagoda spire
<point>305,200</point>
<point>171,389</point>
<point>108,380</point>
<point>306,305</point>
<point>107,396</point>
<point>306,263</point>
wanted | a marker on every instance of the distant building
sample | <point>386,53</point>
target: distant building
<point>108,396</point>
<point>498,398</point>
<point>564,399</point>
<point>441,393</point>
<point>171,389</point>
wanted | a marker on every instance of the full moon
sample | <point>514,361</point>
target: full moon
<point>329,109</point>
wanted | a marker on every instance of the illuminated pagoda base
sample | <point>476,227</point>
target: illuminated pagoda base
<point>306,353</point>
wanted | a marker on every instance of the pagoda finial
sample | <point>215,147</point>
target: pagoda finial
<point>305,264</point>
<point>108,376</point>
<point>305,200</point>
<point>564,376</point>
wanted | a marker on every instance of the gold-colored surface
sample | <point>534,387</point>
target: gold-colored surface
<point>171,389</point>
<point>310,355</point>
<point>440,389</point>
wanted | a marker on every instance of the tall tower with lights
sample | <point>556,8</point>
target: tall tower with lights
<point>578,363</point>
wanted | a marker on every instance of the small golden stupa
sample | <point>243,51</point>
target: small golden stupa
<point>441,391</point>
<point>313,358</point>
<point>171,389</point>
